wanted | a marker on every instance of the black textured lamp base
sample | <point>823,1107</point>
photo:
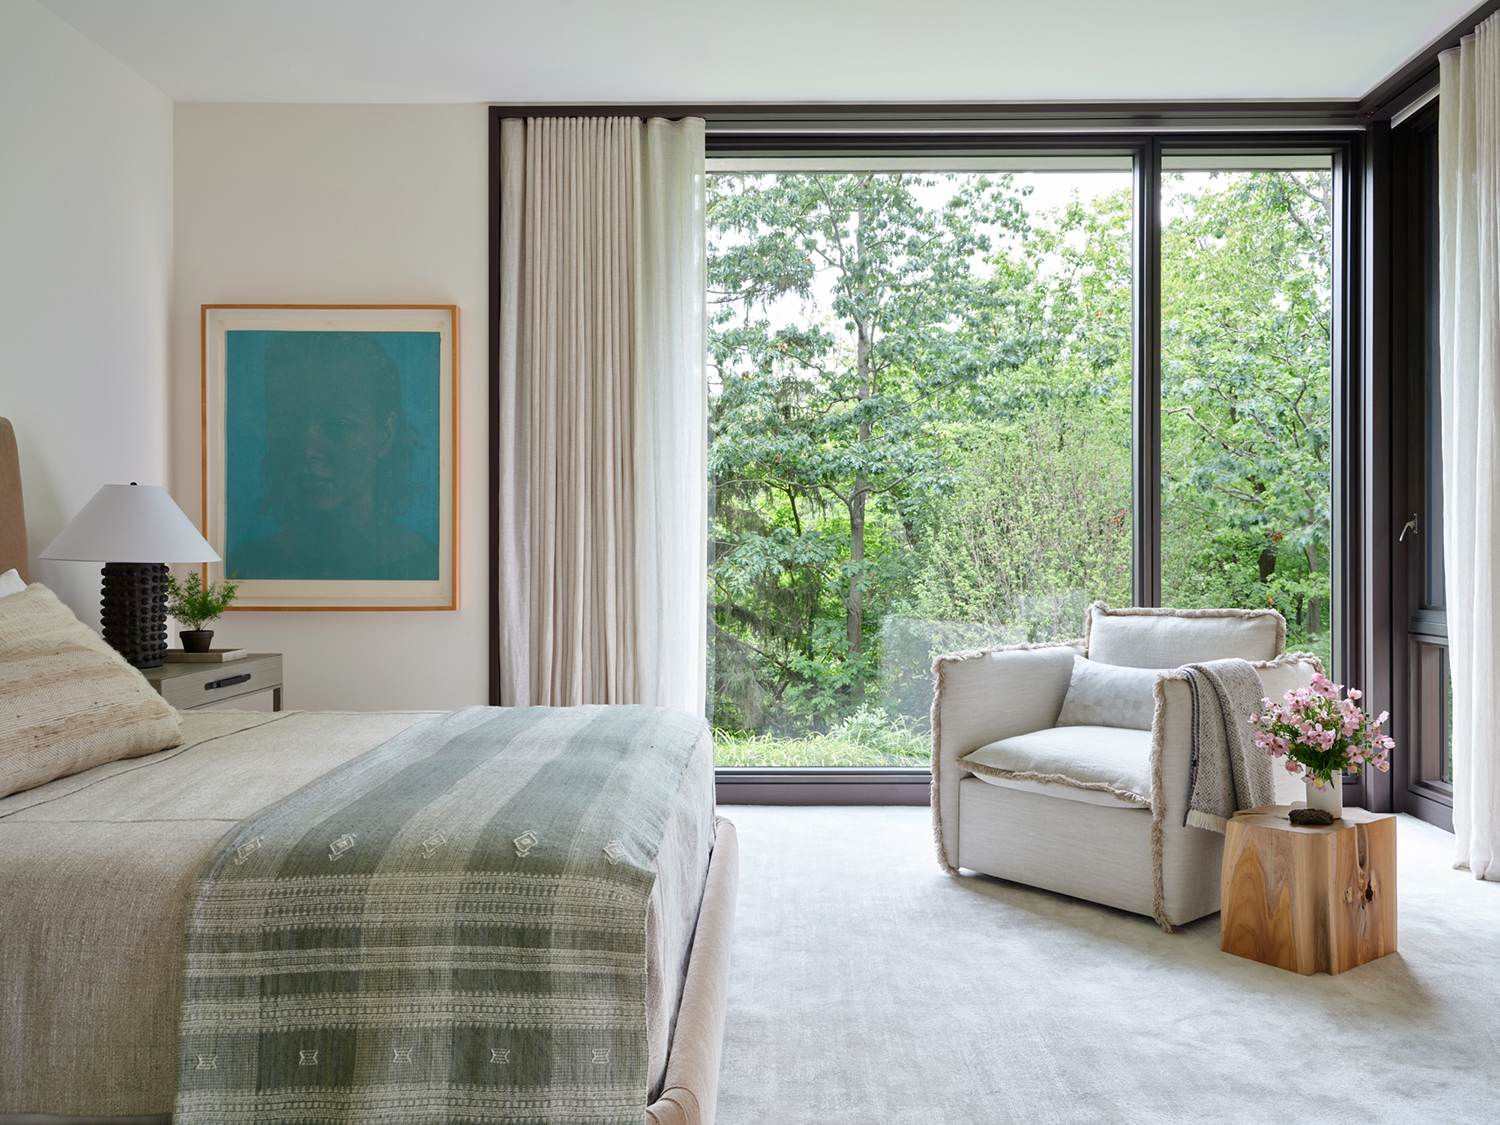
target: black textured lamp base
<point>134,611</point>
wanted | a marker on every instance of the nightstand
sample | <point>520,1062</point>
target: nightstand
<point>194,687</point>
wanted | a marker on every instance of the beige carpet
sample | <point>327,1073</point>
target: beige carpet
<point>867,986</point>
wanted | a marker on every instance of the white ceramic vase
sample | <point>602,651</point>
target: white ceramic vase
<point>1330,798</point>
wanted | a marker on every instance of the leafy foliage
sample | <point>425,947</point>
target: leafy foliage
<point>921,410</point>
<point>869,737</point>
<point>1247,398</point>
<point>821,424</point>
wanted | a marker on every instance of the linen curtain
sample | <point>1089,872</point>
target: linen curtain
<point>1469,233</point>
<point>602,458</point>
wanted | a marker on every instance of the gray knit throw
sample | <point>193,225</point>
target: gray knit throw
<point>1229,771</point>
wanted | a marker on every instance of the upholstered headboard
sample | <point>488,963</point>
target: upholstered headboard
<point>12,511</point>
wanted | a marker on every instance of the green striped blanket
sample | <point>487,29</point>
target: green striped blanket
<point>450,928</point>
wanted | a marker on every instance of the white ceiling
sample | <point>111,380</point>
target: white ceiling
<point>591,51</point>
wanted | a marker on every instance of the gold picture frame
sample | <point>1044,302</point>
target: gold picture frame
<point>330,454</point>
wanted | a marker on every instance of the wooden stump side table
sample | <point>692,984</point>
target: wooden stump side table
<point>1308,899</point>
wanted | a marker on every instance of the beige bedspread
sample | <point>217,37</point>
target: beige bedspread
<point>95,871</point>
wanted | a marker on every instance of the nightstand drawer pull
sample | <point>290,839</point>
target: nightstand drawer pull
<point>226,683</point>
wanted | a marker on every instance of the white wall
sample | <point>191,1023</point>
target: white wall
<point>344,204</point>
<point>85,277</point>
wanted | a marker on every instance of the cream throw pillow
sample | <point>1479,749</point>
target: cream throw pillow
<point>1109,695</point>
<point>10,582</point>
<point>67,700</point>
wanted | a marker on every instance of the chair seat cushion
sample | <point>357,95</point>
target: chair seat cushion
<point>1097,765</point>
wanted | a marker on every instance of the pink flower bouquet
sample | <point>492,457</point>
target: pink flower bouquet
<point>1321,734</point>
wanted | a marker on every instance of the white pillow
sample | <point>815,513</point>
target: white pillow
<point>1109,695</point>
<point>10,583</point>
<point>67,700</point>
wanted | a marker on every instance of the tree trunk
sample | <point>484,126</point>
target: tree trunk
<point>856,604</point>
<point>1267,562</point>
<point>1314,620</point>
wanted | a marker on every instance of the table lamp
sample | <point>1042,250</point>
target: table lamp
<point>128,523</point>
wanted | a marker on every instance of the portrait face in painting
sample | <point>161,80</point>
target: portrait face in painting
<point>327,433</point>
<point>336,472</point>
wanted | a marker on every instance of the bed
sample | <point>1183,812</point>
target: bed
<point>115,950</point>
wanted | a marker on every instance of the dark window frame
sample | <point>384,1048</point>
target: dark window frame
<point>1419,629</point>
<point>844,786</point>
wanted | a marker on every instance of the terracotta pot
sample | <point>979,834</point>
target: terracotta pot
<point>196,640</point>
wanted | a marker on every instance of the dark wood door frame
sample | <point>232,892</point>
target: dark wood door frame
<point>1416,628</point>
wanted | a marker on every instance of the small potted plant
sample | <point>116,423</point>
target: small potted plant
<point>195,605</point>
<point>1323,737</point>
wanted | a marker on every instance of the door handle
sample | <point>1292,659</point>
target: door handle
<point>1411,526</point>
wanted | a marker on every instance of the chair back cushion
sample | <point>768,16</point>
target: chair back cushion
<point>1170,638</point>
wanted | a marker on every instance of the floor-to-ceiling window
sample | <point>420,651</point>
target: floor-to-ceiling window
<point>920,398</point>
<point>1247,388</point>
<point>922,385</point>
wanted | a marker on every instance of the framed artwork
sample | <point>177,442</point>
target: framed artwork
<point>330,454</point>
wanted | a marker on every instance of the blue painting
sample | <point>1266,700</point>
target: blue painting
<point>332,466</point>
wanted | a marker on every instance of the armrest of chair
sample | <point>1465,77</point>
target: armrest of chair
<point>1173,725</point>
<point>1277,677</point>
<point>981,697</point>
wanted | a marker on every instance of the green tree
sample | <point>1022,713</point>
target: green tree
<point>1246,395</point>
<point>922,417</point>
<point>1038,523</point>
<point>828,420</point>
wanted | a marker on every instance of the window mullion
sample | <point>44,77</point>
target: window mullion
<point>1146,376</point>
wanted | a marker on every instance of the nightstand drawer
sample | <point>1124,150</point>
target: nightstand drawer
<point>189,687</point>
<point>263,700</point>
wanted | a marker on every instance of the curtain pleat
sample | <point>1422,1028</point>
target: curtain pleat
<point>1469,234</point>
<point>603,402</point>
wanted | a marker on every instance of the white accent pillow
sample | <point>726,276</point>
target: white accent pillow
<point>1112,761</point>
<point>1109,695</point>
<point>10,583</point>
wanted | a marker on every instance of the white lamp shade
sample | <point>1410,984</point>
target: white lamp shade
<point>131,523</point>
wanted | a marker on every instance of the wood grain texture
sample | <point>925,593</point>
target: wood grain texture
<point>1309,899</point>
